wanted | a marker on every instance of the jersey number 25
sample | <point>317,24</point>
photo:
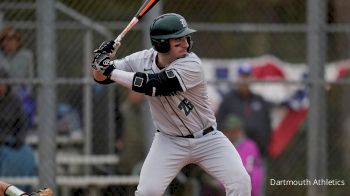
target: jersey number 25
<point>186,106</point>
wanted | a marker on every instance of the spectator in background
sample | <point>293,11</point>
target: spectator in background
<point>251,108</point>
<point>16,157</point>
<point>248,151</point>
<point>130,142</point>
<point>68,120</point>
<point>18,62</point>
<point>132,145</point>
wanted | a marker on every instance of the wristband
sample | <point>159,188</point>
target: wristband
<point>13,191</point>
<point>108,70</point>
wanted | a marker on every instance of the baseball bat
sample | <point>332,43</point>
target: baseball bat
<point>146,6</point>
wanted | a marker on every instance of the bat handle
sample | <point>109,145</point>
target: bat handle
<point>123,33</point>
<point>119,38</point>
<point>127,28</point>
<point>115,46</point>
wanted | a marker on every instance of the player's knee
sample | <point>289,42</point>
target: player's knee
<point>241,186</point>
<point>246,185</point>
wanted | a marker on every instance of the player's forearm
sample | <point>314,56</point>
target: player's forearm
<point>10,190</point>
<point>123,78</point>
<point>7,189</point>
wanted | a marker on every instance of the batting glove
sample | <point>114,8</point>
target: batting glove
<point>105,47</point>
<point>102,63</point>
<point>110,47</point>
<point>102,60</point>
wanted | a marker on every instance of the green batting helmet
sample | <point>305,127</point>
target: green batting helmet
<point>168,26</point>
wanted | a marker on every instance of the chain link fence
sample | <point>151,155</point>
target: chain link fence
<point>95,127</point>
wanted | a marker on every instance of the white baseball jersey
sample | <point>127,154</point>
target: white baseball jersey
<point>184,113</point>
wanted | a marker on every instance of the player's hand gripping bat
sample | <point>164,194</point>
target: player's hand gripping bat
<point>107,50</point>
<point>146,6</point>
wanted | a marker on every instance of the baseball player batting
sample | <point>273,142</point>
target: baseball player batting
<point>173,81</point>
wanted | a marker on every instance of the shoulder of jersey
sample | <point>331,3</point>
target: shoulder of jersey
<point>143,54</point>
<point>190,58</point>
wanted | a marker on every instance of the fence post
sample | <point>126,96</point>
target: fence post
<point>46,57</point>
<point>317,132</point>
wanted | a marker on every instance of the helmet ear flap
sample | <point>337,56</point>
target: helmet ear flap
<point>161,46</point>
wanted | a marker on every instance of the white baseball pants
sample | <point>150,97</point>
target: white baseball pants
<point>212,152</point>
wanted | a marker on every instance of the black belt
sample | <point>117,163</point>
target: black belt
<point>205,131</point>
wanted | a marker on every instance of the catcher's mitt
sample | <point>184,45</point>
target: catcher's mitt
<point>42,192</point>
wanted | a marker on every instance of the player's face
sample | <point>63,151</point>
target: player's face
<point>178,47</point>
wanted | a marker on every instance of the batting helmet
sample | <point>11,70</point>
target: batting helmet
<point>168,26</point>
